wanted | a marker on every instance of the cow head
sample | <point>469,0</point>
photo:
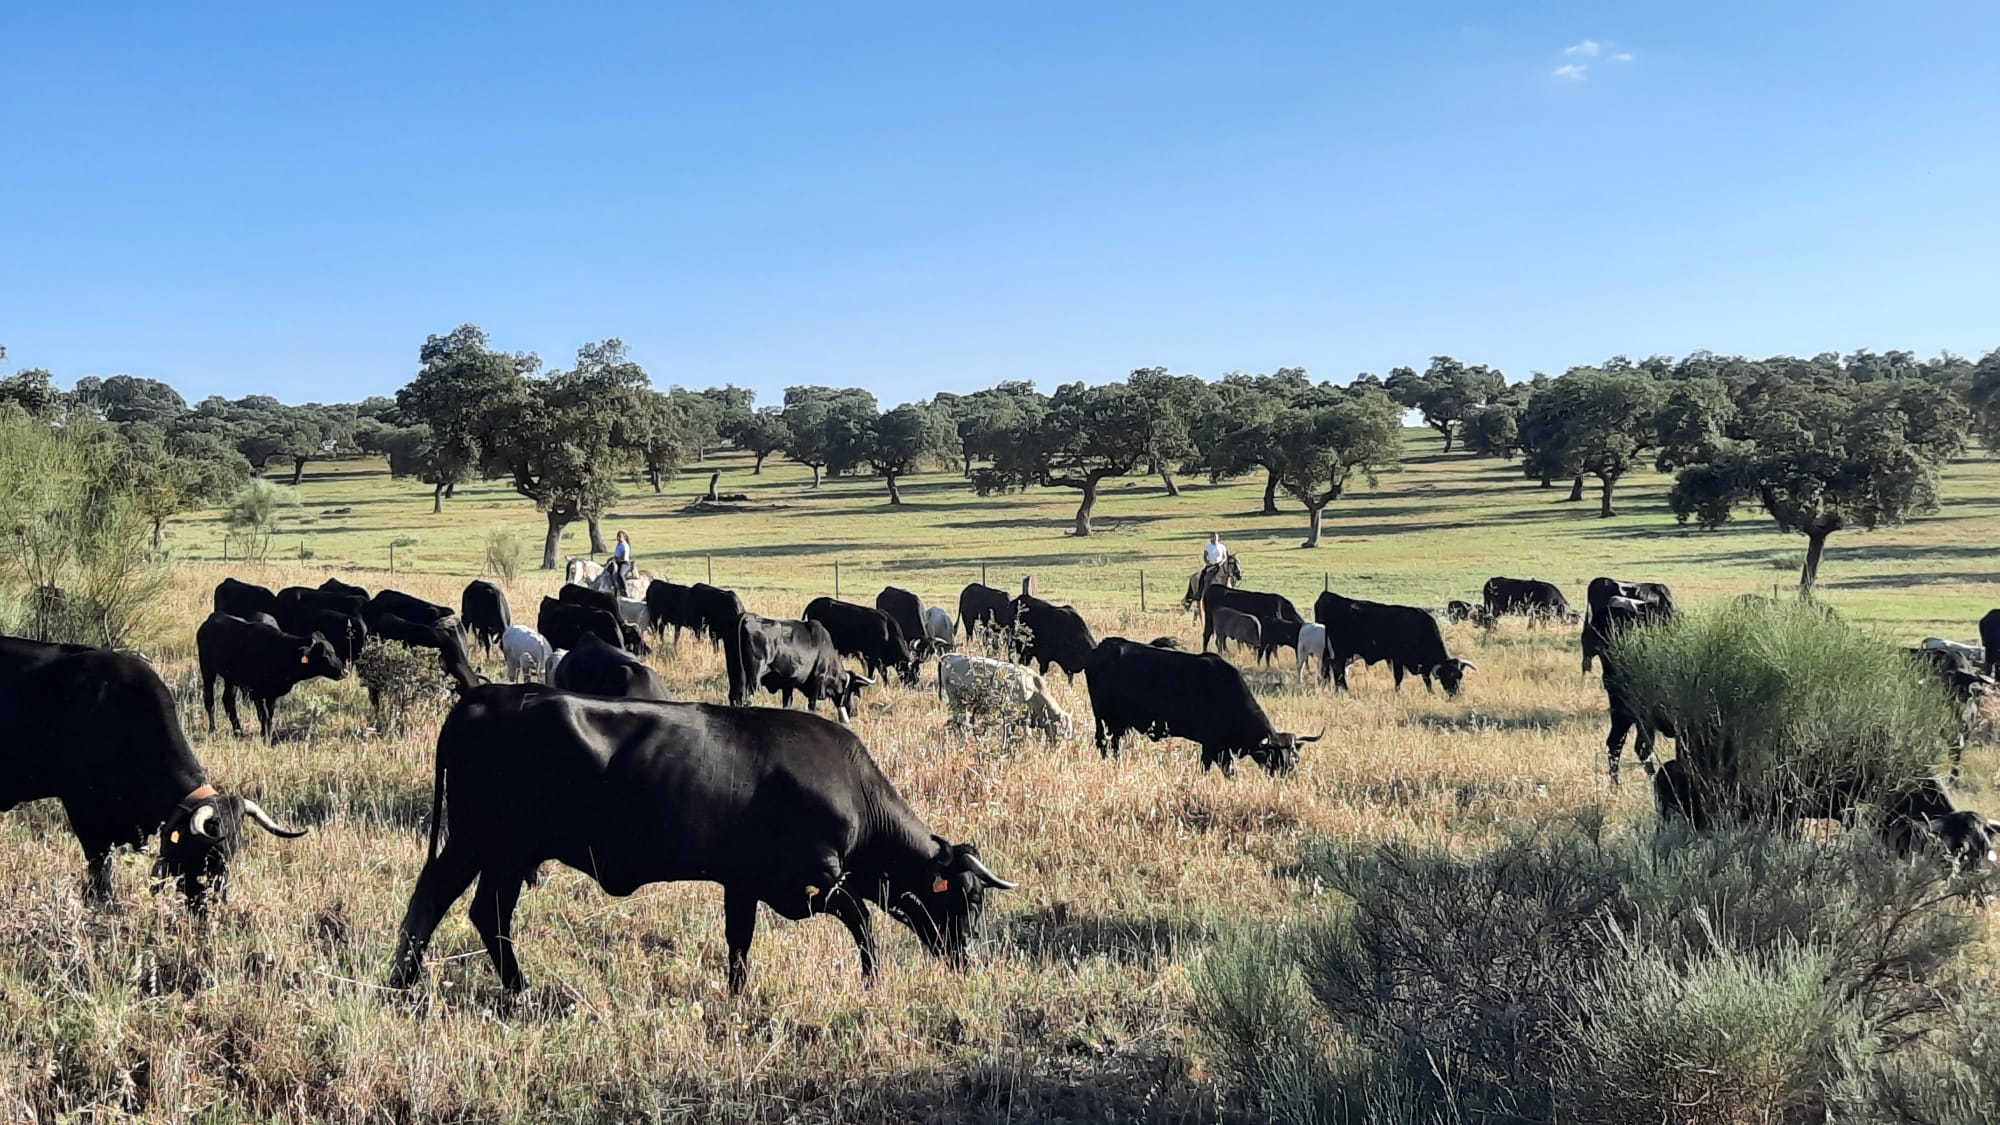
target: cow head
<point>1965,839</point>
<point>1279,753</point>
<point>944,904</point>
<point>1452,672</point>
<point>317,658</point>
<point>848,695</point>
<point>634,642</point>
<point>201,837</point>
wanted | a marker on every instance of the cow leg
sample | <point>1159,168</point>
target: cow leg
<point>267,718</point>
<point>444,878</point>
<point>229,707</point>
<point>208,697</point>
<point>1642,747</point>
<point>1396,671</point>
<point>1614,743</point>
<point>739,925</point>
<point>853,913</point>
<point>493,916</point>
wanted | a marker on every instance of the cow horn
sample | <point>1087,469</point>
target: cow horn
<point>1468,665</point>
<point>977,867</point>
<point>862,681</point>
<point>1314,738</point>
<point>198,822</point>
<point>256,812</point>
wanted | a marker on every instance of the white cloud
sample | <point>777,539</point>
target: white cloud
<point>1622,56</point>
<point>1571,72</point>
<point>1589,49</point>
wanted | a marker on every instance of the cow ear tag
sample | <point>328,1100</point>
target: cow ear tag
<point>940,885</point>
<point>305,658</point>
<point>174,837</point>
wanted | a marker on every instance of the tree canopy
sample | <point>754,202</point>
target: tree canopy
<point>1084,435</point>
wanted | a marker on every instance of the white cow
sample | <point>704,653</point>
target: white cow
<point>526,652</point>
<point>980,684</point>
<point>1973,655</point>
<point>1312,642</point>
<point>938,626</point>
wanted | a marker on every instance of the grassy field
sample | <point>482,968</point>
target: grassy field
<point>1078,1006</point>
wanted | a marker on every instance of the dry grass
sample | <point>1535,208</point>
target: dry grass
<point>1077,1009</point>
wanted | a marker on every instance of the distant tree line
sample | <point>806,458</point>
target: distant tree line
<point>1820,444</point>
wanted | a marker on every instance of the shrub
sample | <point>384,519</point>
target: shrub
<point>503,553</point>
<point>1781,710</point>
<point>1575,974</point>
<point>405,685</point>
<point>252,515</point>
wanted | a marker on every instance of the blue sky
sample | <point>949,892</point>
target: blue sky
<point>286,199</point>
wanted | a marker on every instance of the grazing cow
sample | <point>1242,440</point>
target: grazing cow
<point>778,807</point>
<point>907,611</point>
<point>345,589</point>
<point>983,605</point>
<point>629,611</point>
<point>406,606</point>
<point>442,636</point>
<point>263,662</point>
<point>670,603</point>
<point>1406,637</point>
<point>1228,572</point>
<point>596,668</point>
<point>98,731</point>
<point>1057,634</point>
<point>1596,635</point>
<point>1259,605</point>
<point>241,599</point>
<point>1197,696</point>
<point>717,608</point>
<point>482,609</point>
<point>573,594</point>
<point>785,657</point>
<point>1456,610</point>
<point>526,654</point>
<point>1168,642</point>
<point>1279,633</point>
<point>939,629</point>
<point>977,683</point>
<point>1989,639</point>
<point>303,610</point>
<point>1312,642</point>
<point>1526,597</point>
<point>1968,687</point>
<point>1616,615</point>
<point>1972,656</point>
<point>1918,818</point>
<point>564,624</point>
<point>866,633</point>
<point>1232,625</point>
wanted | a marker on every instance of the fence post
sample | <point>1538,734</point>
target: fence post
<point>1142,591</point>
<point>711,568</point>
<point>836,580</point>
<point>1325,581</point>
<point>982,574</point>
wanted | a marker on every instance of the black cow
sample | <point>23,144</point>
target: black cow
<point>866,633</point>
<point>1918,817</point>
<point>907,611</point>
<point>1968,687</point>
<point>1527,597</point>
<point>1057,634</point>
<point>301,609</point>
<point>1596,637</point>
<point>482,609</point>
<point>98,731</point>
<point>344,631</point>
<point>1615,616</point>
<point>717,608</point>
<point>1278,633</point>
<point>563,625</point>
<point>1404,636</point>
<point>1269,607</point>
<point>409,607</point>
<point>336,586</point>
<point>442,636</point>
<point>786,657</point>
<point>984,605</point>
<point>1989,636</point>
<point>596,668</point>
<point>629,636</point>
<point>779,807</point>
<point>241,599</point>
<point>1197,696</point>
<point>262,662</point>
<point>1456,610</point>
<point>670,603</point>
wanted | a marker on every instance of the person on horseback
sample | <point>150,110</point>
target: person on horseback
<point>1215,552</point>
<point>621,562</point>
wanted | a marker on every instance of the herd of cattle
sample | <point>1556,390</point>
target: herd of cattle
<point>582,758</point>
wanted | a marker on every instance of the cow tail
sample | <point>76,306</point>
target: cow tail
<point>437,803</point>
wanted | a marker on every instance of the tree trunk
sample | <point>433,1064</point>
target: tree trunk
<point>758,471</point>
<point>895,497</point>
<point>1270,492</point>
<point>597,546</point>
<point>1167,478</point>
<point>1312,532</point>
<point>298,470</point>
<point>1604,510</point>
<point>815,470</point>
<point>1444,429</point>
<point>1808,577</point>
<point>437,499</point>
<point>653,476</point>
<point>1089,502</point>
<point>450,489</point>
<point>1575,491</point>
<point>968,464</point>
<point>1547,482</point>
<point>552,546</point>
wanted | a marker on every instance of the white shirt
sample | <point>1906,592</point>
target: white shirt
<point>1214,553</point>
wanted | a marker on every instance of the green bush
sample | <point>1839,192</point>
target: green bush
<point>405,685</point>
<point>503,553</point>
<point>1540,979</point>
<point>1781,710</point>
<point>252,515</point>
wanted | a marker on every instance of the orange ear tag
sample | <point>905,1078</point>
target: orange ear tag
<point>305,658</point>
<point>940,885</point>
<point>174,837</point>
